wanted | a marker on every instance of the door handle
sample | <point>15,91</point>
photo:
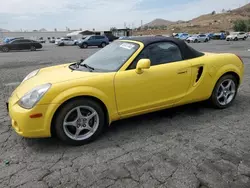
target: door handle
<point>182,72</point>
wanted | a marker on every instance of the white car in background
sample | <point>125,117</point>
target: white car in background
<point>237,36</point>
<point>198,38</point>
<point>66,42</point>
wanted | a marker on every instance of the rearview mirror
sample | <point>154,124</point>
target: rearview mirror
<point>142,64</point>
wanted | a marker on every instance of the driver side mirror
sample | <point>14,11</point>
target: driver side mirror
<point>142,64</point>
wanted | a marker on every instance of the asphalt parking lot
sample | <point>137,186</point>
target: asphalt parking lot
<point>187,147</point>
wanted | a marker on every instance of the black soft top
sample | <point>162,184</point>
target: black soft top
<point>187,51</point>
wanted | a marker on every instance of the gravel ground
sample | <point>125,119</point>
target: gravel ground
<point>186,147</point>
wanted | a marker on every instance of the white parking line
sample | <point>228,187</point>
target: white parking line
<point>12,84</point>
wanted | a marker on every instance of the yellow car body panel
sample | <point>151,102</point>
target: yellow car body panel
<point>124,93</point>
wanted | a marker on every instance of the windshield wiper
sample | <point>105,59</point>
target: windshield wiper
<point>87,66</point>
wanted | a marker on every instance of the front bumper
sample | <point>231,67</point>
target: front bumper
<point>29,127</point>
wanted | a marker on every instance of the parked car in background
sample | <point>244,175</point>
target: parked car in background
<point>41,40</point>
<point>21,44</point>
<point>219,36</point>
<point>65,42</point>
<point>197,38</point>
<point>94,40</point>
<point>181,36</point>
<point>111,37</point>
<point>237,36</point>
<point>209,35</point>
<point>51,40</point>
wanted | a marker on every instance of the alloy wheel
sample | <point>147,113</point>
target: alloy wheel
<point>81,123</point>
<point>226,92</point>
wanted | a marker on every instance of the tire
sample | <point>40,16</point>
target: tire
<point>217,101</point>
<point>84,45</point>
<point>67,133</point>
<point>244,38</point>
<point>32,48</point>
<point>195,41</point>
<point>206,40</point>
<point>5,49</point>
<point>236,39</point>
<point>103,44</point>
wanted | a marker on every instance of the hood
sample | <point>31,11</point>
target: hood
<point>53,75</point>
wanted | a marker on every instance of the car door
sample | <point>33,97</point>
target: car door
<point>14,45</point>
<point>202,38</point>
<point>163,84</point>
<point>91,41</point>
<point>26,44</point>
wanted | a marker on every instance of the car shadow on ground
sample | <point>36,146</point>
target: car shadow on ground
<point>144,126</point>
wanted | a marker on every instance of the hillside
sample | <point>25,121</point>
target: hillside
<point>159,22</point>
<point>206,23</point>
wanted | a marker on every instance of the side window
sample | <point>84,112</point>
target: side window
<point>99,37</point>
<point>15,42</point>
<point>159,53</point>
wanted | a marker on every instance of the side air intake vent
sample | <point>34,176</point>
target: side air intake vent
<point>200,71</point>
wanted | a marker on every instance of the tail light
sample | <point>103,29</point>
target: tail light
<point>240,58</point>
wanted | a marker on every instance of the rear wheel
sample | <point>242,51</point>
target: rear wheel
<point>224,92</point>
<point>5,49</point>
<point>80,121</point>
<point>236,39</point>
<point>206,40</point>
<point>103,44</point>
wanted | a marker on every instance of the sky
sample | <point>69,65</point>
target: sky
<point>102,14</point>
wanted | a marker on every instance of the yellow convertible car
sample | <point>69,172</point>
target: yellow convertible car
<point>126,78</point>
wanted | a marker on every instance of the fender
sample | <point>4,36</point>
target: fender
<point>225,69</point>
<point>77,92</point>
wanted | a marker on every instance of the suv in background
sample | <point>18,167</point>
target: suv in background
<point>237,36</point>
<point>94,40</point>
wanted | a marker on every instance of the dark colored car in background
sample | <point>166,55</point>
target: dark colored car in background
<point>94,40</point>
<point>21,44</point>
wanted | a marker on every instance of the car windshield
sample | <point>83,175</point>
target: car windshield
<point>86,38</point>
<point>112,57</point>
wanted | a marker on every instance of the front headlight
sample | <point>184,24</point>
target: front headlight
<point>30,99</point>
<point>30,75</point>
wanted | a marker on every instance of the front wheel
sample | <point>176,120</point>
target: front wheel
<point>80,122</point>
<point>5,49</point>
<point>84,45</point>
<point>224,92</point>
